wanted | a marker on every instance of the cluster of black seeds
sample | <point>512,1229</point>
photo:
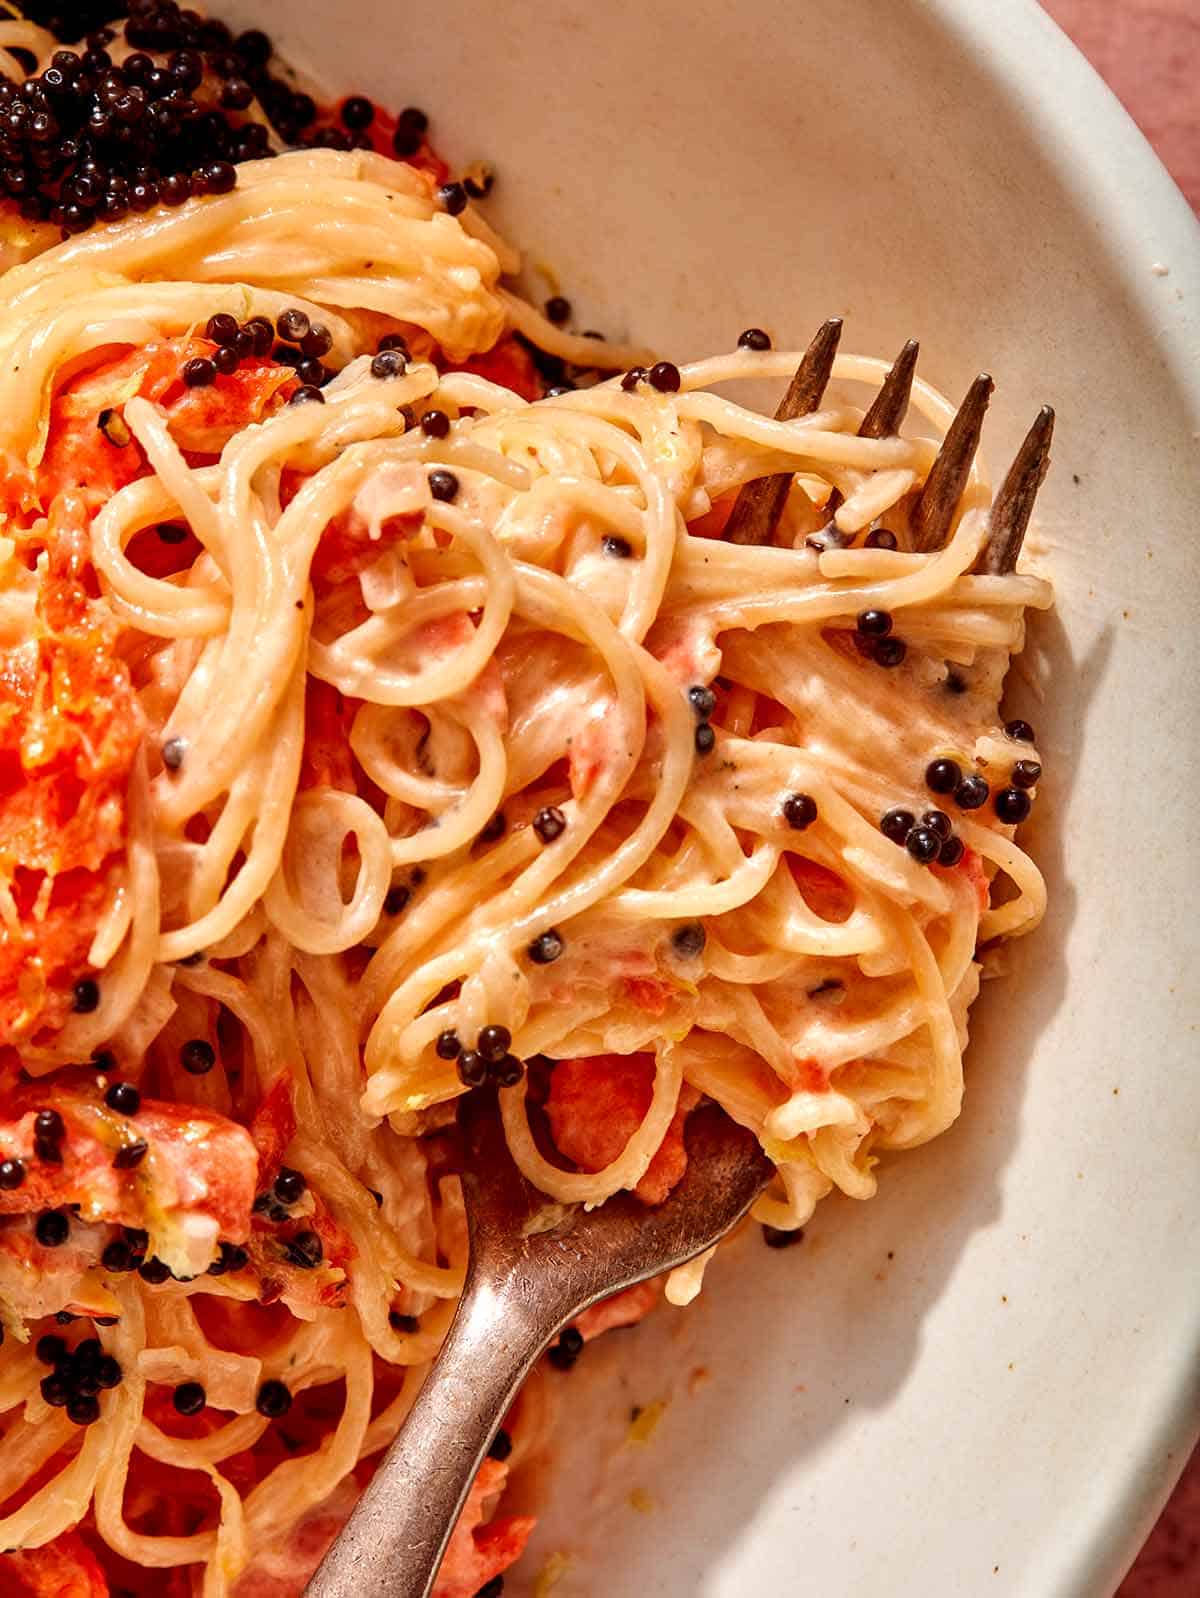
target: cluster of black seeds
<point>491,1060</point>
<point>930,838</point>
<point>92,139</point>
<point>288,1188</point>
<point>89,140</point>
<point>77,1377</point>
<point>703,702</point>
<point>873,638</point>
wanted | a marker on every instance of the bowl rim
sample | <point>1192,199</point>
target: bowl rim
<point>1103,159</point>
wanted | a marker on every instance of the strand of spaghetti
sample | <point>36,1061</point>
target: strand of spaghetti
<point>254,667</point>
<point>149,426</point>
<point>62,1501</point>
<point>20,35</point>
<point>658,517</point>
<point>233,1543</point>
<point>946,1080</point>
<point>277,772</point>
<point>152,604</point>
<point>573,347</point>
<point>452,895</point>
<point>294,1486</point>
<point>315,918</point>
<point>456,829</point>
<point>251,1009</point>
<point>547,600</point>
<point>18,1378</point>
<point>383,1428</point>
<point>461,812</point>
<point>193,1453</point>
<point>30,1445</point>
<point>1019,915</point>
<point>625,1171</point>
<point>700,899</point>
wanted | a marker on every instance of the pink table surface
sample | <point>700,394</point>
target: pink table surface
<point>1148,51</point>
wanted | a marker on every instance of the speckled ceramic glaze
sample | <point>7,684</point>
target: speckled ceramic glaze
<point>984,1382</point>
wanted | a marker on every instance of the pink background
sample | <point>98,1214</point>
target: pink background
<point>1148,51</point>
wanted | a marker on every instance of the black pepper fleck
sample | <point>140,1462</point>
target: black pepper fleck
<point>493,1043</point>
<point>1012,805</point>
<point>702,700</point>
<point>443,485</point>
<point>546,949</point>
<point>472,1069</point>
<point>289,1186</point>
<point>189,1398</point>
<point>197,1056</point>
<point>972,792</point>
<point>507,1071</point>
<point>199,372</point>
<point>304,1250</point>
<point>131,1155</point>
<point>688,940</point>
<point>923,844</point>
<point>889,651</point>
<point>951,851</point>
<point>937,821</point>
<point>799,810</point>
<point>388,364</point>
<point>85,996</point>
<point>124,1098</point>
<point>897,824</point>
<point>549,823</point>
<point>273,1400</point>
<point>563,1354</point>
<point>52,1228</point>
<point>874,623</point>
<point>942,776</point>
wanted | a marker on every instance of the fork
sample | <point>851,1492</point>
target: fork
<point>759,505</point>
<point>534,1266</point>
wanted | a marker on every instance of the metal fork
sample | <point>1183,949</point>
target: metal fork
<point>534,1266</point>
<point>759,505</point>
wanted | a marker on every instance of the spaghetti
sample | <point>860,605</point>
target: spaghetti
<point>368,742</point>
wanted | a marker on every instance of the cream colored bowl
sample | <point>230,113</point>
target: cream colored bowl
<point>984,1382</point>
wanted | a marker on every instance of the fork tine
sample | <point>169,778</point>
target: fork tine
<point>1013,505</point>
<point>882,420</point>
<point>934,510</point>
<point>759,504</point>
<point>888,409</point>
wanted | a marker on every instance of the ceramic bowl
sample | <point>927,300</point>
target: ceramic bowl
<point>984,1382</point>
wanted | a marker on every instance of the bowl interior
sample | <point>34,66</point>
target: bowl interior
<point>982,1382</point>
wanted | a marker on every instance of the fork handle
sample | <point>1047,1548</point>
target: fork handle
<point>394,1541</point>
